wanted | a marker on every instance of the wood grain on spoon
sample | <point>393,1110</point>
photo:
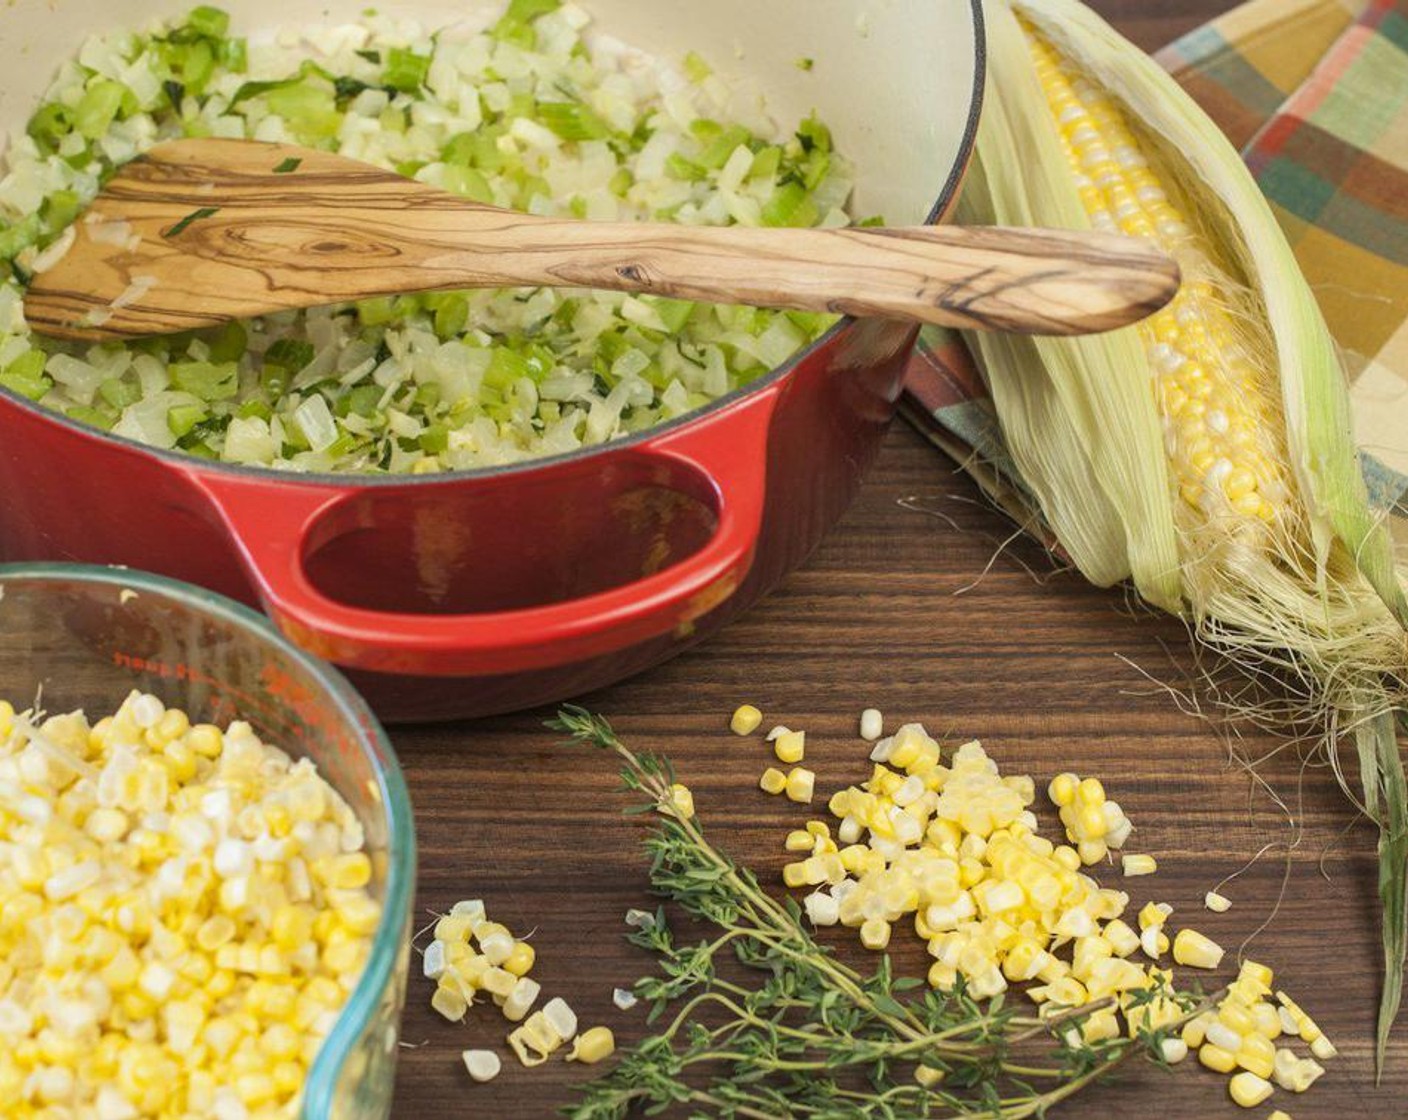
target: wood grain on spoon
<point>200,231</point>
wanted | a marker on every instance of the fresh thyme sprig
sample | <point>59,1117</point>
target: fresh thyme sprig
<point>814,1038</point>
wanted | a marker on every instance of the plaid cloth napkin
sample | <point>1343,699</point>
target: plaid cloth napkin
<point>1315,92</point>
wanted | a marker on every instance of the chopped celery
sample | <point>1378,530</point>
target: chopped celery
<point>469,182</point>
<point>60,208</point>
<point>451,316</point>
<point>290,353</point>
<point>525,11</point>
<point>505,367</point>
<point>435,439</point>
<point>695,68</point>
<point>274,379</point>
<point>210,381</point>
<point>790,205</point>
<point>405,70</point>
<point>95,417</point>
<point>571,120</point>
<point>228,343</point>
<point>183,417</point>
<point>674,313</point>
<point>119,393</point>
<point>678,167</point>
<point>766,163</point>
<point>49,124</point>
<point>718,150</point>
<point>28,385</point>
<point>376,311</point>
<point>206,20</point>
<point>254,407</point>
<point>310,108</point>
<point>362,400</point>
<point>98,108</point>
<point>813,135</point>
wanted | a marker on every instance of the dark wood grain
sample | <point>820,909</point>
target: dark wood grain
<point>908,606</point>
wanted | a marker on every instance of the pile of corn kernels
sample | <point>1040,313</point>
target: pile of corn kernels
<point>956,849</point>
<point>470,955</point>
<point>185,910</point>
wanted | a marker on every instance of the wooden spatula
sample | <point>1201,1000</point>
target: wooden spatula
<point>199,231</point>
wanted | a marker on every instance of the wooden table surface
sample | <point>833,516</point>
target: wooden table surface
<point>905,607</point>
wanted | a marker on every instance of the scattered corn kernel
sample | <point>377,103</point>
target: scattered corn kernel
<point>875,933</point>
<point>1138,865</point>
<point>1194,950</point>
<point>683,801</point>
<point>1218,904</point>
<point>623,999</point>
<point>1248,1090</point>
<point>1216,1058</point>
<point>790,747</point>
<point>483,1065</point>
<point>801,783</point>
<point>746,720</point>
<point>773,780</point>
<point>872,724</point>
<point>592,1046</point>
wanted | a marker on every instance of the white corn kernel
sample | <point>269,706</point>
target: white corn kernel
<point>433,962</point>
<point>1173,1050</point>
<point>1217,903</point>
<point>483,1065</point>
<point>520,999</point>
<point>560,1017</point>
<point>623,998</point>
<point>871,724</point>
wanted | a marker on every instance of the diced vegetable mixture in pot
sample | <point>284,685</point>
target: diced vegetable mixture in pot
<point>529,112</point>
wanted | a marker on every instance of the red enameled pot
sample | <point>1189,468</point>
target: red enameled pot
<point>465,594</point>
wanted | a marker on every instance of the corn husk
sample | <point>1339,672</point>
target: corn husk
<point>1313,598</point>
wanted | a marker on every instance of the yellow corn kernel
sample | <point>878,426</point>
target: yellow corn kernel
<point>592,1046</point>
<point>801,783</point>
<point>1138,865</point>
<point>790,747</point>
<point>875,933</point>
<point>773,780</point>
<point>682,799</point>
<point>452,928</point>
<point>520,961</point>
<point>795,874</point>
<point>1248,1090</point>
<point>746,720</point>
<point>449,1002</point>
<point>1257,1055</point>
<point>1218,904</point>
<point>1062,789</point>
<point>1192,949</point>
<point>800,840</point>
<point>1216,1058</point>
<point>350,871</point>
<point>1279,1115</point>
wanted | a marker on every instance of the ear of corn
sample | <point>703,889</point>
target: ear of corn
<point>1206,454</point>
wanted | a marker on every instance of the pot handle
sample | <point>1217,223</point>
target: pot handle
<point>726,451</point>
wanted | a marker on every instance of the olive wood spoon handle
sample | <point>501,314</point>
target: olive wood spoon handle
<point>199,231</point>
